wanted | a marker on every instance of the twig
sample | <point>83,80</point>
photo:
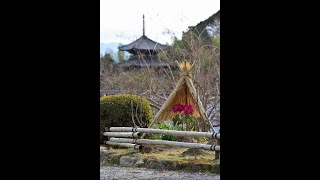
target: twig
<point>154,102</point>
<point>136,115</point>
<point>132,116</point>
<point>160,97</point>
<point>213,107</point>
<point>155,106</point>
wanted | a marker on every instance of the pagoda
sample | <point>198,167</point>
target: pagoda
<point>143,48</point>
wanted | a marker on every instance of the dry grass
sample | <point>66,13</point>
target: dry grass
<point>138,80</point>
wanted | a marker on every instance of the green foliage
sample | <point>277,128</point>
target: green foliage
<point>108,56</point>
<point>216,41</point>
<point>164,126</point>
<point>117,111</point>
<point>168,137</point>
<point>178,49</point>
<point>107,60</point>
<point>121,56</point>
<point>204,139</point>
<point>186,122</point>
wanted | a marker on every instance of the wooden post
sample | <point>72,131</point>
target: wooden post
<point>217,153</point>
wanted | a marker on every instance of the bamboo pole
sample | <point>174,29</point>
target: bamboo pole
<point>122,134</point>
<point>168,143</point>
<point>128,145</point>
<point>166,132</point>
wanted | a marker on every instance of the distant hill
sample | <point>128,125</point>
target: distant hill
<point>210,25</point>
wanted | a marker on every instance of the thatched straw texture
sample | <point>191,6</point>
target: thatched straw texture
<point>184,93</point>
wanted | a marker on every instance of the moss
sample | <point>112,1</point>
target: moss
<point>170,159</point>
<point>207,172</point>
<point>174,154</point>
<point>113,159</point>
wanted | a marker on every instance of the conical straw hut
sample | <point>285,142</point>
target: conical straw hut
<point>184,93</point>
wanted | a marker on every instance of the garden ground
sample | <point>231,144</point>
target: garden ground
<point>129,173</point>
<point>162,158</point>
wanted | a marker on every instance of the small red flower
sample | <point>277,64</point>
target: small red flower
<point>183,109</point>
<point>176,108</point>
<point>180,107</point>
<point>188,109</point>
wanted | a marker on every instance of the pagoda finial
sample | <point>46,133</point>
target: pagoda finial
<point>143,25</point>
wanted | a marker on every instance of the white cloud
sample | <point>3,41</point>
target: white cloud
<point>121,21</point>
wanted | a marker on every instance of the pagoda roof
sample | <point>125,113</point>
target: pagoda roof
<point>143,44</point>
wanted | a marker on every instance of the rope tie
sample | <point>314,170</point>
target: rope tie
<point>214,147</point>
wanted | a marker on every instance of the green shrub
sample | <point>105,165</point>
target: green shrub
<point>117,110</point>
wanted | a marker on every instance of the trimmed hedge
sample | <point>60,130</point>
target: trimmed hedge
<point>116,111</point>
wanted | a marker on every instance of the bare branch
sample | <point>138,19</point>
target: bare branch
<point>132,116</point>
<point>155,106</point>
<point>154,102</point>
<point>213,107</point>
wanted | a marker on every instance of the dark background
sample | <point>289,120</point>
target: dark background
<point>50,98</point>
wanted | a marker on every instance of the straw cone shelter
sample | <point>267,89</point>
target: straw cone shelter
<point>184,93</point>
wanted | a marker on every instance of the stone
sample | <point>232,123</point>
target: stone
<point>139,163</point>
<point>130,161</point>
<point>104,155</point>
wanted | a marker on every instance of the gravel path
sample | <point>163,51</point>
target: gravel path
<point>123,173</point>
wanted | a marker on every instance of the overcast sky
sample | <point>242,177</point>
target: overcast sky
<point>121,20</point>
